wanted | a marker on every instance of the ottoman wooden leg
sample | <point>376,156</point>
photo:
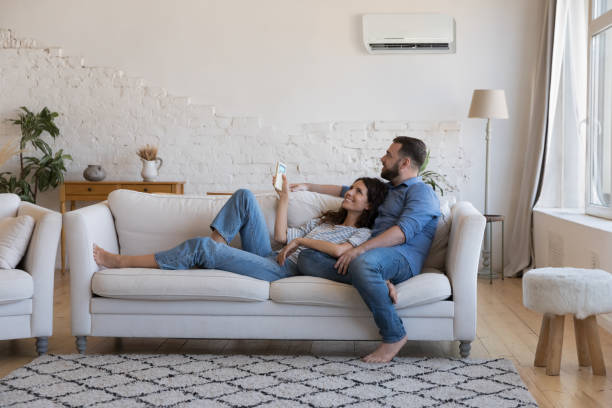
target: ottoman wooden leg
<point>555,345</point>
<point>592,336</point>
<point>582,347</point>
<point>541,350</point>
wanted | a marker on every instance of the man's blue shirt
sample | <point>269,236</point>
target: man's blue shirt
<point>414,207</point>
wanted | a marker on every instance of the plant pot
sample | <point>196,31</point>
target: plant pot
<point>150,169</point>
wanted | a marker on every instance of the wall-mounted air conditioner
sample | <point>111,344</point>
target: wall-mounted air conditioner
<point>408,33</point>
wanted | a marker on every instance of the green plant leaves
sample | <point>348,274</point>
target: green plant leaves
<point>41,173</point>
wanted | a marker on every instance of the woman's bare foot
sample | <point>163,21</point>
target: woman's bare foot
<point>392,292</point>
<point>385,352</point>
<point>105,258</point>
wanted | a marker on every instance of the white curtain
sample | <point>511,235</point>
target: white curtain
<point>520,244</point>
<point>564,175</point>
<point>553,172</point>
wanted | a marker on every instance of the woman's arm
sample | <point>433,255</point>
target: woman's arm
<point>331,249</point>
<point>280,224</point>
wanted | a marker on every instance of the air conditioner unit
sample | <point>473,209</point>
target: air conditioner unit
<point>408,33</point>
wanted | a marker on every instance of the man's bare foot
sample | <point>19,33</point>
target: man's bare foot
<point>105,258</point>
<point>392,292</point>
<point>385,352</point>
<point>215,236</point>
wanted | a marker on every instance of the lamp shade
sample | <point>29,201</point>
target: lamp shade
<point>489,103</point>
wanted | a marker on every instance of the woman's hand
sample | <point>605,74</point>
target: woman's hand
<point>285,190</point>
<point>287,250</point>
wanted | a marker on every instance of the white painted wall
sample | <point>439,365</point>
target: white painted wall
<point>292,62</point>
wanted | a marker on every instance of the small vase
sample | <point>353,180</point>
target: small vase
<point>94,172</point>
<point>150,169</point>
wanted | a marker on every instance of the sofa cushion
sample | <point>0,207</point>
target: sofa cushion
<point>181,217</point>
<point>437,252</point>
<point>15,233</point>
<point>15,285</point>
<point>199,284</point>
<point>9,203</point>
<point>427,287</point>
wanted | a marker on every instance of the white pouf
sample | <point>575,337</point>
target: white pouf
<point>561,291</point>
<point>555,292</point>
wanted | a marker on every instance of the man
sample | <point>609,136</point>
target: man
<point>401,237</point>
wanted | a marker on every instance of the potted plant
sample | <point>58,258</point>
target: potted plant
<point>36,173</point>
<point>436,180</point>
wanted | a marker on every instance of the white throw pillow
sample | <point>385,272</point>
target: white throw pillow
<point>15,233</point>
<point>437,253</point>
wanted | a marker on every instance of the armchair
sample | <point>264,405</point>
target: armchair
<point>26,293</point>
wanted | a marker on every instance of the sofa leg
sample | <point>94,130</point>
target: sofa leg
<point>464,348</point>
<point>81,344</point>
<point>42,344</point>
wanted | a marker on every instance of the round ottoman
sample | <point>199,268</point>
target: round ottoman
<point>556,292</point>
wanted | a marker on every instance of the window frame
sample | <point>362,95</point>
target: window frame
<point>596,26</point>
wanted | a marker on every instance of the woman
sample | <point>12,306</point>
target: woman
<point>333,233</point>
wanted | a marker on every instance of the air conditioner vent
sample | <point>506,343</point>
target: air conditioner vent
<point>409,46</point>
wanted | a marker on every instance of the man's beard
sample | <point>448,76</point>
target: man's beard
<point>391,173</point>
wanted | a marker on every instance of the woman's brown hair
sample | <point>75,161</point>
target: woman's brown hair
<point>377,191</point>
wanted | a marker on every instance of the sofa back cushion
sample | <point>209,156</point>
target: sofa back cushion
<point>9,203</point>
<point>15,233</point>
<point>148,223</point>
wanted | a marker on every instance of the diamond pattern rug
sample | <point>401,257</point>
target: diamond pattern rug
<point>204,380</point>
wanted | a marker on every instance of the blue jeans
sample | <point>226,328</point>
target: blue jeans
<point>368,274</point>
<point>240,214</point>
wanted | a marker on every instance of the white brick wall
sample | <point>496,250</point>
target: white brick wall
<point>106,116</point>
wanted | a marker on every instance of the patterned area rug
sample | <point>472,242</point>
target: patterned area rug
<point>137,380</point>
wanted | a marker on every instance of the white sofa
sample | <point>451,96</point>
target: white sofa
<point>218,304</point>
<point>26,293</point>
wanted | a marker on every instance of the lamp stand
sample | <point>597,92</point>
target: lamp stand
<point>486,249</point>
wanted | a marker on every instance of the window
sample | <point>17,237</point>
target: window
<point>599,131</point>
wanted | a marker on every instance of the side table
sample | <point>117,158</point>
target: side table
<point>492,218</point>
<point>99,190</point>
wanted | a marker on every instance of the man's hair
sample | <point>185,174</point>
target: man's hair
<point>413,148</point>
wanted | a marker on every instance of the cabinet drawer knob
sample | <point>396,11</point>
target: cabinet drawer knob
<point>146,189</point>
<point>88,188</point>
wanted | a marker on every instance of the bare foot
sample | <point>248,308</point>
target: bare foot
<point>392,292</point>
<point>105,258</point>
<point>385,352</point>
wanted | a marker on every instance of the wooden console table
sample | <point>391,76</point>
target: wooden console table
<point>99,190</point>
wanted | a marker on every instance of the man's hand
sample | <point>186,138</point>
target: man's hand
<point>299,187</point>
<point>345,259</point>
<point>287,250</point>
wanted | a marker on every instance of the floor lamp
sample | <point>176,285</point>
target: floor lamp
<point>488,104</point>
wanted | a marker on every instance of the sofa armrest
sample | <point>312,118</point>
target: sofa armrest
<point>40,263</point>
<point>462,260</point>
<point>83,228</point>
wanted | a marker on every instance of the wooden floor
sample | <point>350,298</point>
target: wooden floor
<point>505,329</point>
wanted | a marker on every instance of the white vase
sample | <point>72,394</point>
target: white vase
<point>150,169</point>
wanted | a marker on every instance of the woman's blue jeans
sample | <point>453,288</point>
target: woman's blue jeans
<point>368,273</point>
<point>240,215</point>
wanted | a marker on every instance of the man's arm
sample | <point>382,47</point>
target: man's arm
<point>391,237</point>
<point>328,189</point>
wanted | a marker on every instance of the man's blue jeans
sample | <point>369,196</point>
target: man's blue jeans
<point>240,214</point>
<point>368,273</point>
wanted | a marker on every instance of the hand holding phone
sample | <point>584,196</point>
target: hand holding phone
<point>281,169</point>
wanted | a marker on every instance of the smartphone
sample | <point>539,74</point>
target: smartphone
<point>281,168</point>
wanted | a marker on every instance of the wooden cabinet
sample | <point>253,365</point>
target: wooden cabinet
<point>99,190</point>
